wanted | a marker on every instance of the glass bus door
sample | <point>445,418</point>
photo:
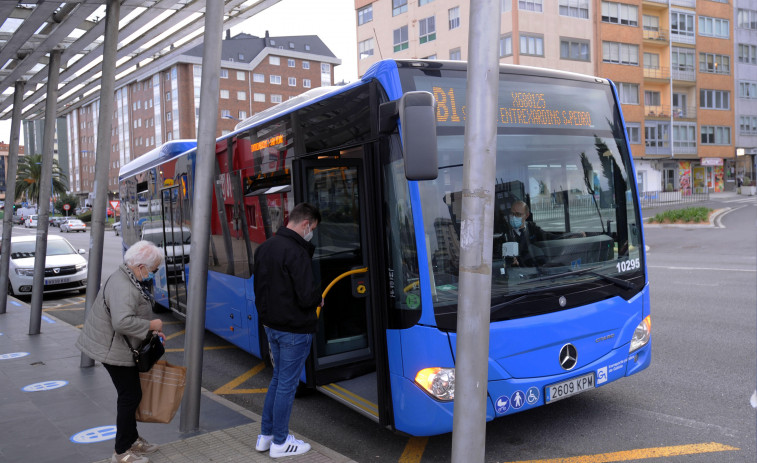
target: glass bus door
<point>176,239</point>
<point>343,361</point>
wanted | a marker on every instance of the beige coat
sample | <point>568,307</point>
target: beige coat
<point>127,312</point>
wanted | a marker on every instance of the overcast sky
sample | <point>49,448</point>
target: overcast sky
<point>332,20</point>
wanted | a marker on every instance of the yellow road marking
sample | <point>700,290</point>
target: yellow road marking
<point>174,323</point>
<point>61,309</point>
<point>414,450</point>
<point>230,387</point>
<point>181,349</point>
<point>176,334</point>
<point>641,454</point>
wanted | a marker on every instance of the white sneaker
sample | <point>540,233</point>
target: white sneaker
<point>289,448</point>
<point>264,442</point>
<point>128,457</point>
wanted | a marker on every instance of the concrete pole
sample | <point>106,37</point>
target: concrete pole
<point>10,192</point>
<point>45,192</point>
<point>102,160</point>
<point>474,300</point>
<point>201,213</point>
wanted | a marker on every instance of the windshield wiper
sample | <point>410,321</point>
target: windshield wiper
<point>591,271</point>
<point>497,307</point>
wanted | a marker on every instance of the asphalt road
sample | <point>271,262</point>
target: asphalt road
<point>691,405</point>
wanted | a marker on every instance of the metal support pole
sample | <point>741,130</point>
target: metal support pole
<point>10,192</point>
<point>102,160</point>
<point>45,192</point>
<point>203,190</point>
<point>479,163</point>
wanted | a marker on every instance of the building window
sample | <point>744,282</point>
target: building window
<point>746,19</point>
<point>365,15</point>
<point>365,48</point>
<point>241,75</point>
<point>747,89</point>
<point>683,59</point>
<point>682,24</point>
<point>274,60</point>
<point>574,49</point>
<point>716,64</point>
<point>276,80</point>
<point>291,45</point>
<point>275,98</point>
<point>399,7</point>
<point>292,81</point>
<point>651,61</point>
<point>427,29</point>
<point>168,96</point>
<point>530,5</point>
<point>242,115</point>
<point>531,45</point>
<point>620,13</point>
<point>168,116</point>
<point>226,113</point>
<point>505,46</point>
<point>714,27</point>
<point>714,99</point>
<point>241,96</point>
<point>400,39</point>
<point>224,94</point>
<point>620,53</point>
<point>747,53</point>
<point>258,78</point>
<point>574,8</point>
<point>633,130</point>
<point>224,73</point>
<point>454,17</point>
<point>423,2</point>
<point>325,74</point>
<point>657,135</point>
<point>748,125</point>
<point>651,98</point>
<point>715,135</point>
<point>306,65</point>
<point>685,136</point>
<point>650,23</point>
<point>306,83</point>
<point>259,97</point>
<point>455,54</point>
<point>290,63</point>
<point>628,93</point>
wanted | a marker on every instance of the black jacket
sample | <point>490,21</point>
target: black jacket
<point>286,295</point>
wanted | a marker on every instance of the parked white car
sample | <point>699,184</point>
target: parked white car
<point>31,221</point>
<point>65,268</point>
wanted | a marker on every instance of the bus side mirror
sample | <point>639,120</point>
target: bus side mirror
<point>417,112</point>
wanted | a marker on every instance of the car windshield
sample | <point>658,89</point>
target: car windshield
<point>177,238</point>
<point>25,249</point>
<point>75,222</point>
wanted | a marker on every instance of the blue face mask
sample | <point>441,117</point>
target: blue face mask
<point>516,222</point>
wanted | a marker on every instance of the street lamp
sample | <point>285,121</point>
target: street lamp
<point>229,116</point>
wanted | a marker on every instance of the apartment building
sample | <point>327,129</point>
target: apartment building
<point>671,61</point>
<point>745,57</point>
<point>156,105</point>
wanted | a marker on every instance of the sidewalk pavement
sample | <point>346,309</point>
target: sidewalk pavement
<point>51,410</point>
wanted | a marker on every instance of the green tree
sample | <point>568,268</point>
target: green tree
<point>28,177</point>
<point>71,200</point>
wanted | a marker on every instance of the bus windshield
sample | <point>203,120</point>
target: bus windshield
<point>565,212</point>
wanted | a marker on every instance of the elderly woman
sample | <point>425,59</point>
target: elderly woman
<point>123,309</point>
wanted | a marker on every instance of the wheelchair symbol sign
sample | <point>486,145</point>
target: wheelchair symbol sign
<point>92,435</point>
<point>44,386</point>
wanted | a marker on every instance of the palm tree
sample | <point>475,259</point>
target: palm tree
<point>29,172</point>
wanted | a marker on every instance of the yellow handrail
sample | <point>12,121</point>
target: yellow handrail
<point>335,280</point>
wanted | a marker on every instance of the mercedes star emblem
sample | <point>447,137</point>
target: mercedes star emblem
<point>568,356</point>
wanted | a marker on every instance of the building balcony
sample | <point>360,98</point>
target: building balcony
<point>656,37</point>
<point>689,39</point>
<point>687,76</point>
<point>663,112</point>
<point>657,148</point>
<point>655,4</point>
<point>685,147</point>
<point>656,73</point>
<point>684,3</point>
<point>685,112</point>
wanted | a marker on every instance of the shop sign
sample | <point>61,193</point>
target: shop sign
<point>712,162</point>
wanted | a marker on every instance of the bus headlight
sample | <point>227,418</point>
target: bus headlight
<point>438,382</point>
<point>641,335</point>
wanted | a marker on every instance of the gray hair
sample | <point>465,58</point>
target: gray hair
<point>144,253</point>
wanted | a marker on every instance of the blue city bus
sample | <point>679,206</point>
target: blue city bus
<point>384,163</point>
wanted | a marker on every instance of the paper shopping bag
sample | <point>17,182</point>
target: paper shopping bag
<point>162,389</point>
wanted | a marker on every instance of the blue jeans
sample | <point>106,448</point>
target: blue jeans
<point>289,352</point>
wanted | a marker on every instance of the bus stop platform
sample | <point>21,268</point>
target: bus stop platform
<point>52,410</point>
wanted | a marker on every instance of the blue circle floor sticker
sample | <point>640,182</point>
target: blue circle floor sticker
<point>44,386</point>
<point>13,355</point>
<point>92,435</point>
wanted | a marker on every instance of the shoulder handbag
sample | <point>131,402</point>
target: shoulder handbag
<point>148,352</point>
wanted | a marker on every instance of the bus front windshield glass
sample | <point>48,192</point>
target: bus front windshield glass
<point>565,217</point>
